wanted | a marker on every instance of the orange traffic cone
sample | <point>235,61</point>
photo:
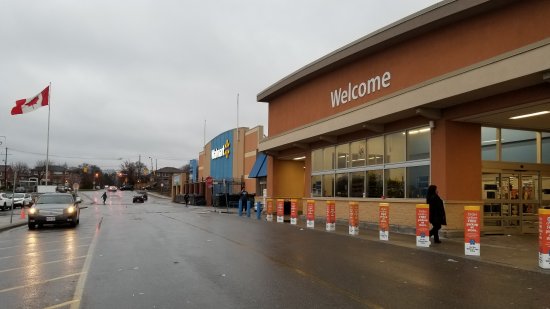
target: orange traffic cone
<point>22,213</point>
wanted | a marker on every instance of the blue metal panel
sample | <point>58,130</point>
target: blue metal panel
<point>260,167</point>
<point>221,156</point>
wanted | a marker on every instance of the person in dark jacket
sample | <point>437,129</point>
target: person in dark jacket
<point>186,199</point>
<point>104,197</point>
<point>437,212</point>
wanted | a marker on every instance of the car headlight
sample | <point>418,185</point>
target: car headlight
<point>70,210</point>
<point>32,211</point>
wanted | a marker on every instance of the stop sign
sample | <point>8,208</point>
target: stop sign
<point>209,182</point>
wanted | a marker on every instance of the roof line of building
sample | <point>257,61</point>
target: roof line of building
<point>435,16</point>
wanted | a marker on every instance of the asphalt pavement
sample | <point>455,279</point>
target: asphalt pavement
<point>516,251</point>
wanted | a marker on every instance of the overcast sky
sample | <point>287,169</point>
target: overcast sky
<point>142,77</point>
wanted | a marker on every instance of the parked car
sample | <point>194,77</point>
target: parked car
<point>28,200</point>
<point>127,187</point>
<point>54,208</point>
<point>5,201</point>
<point>112,189</point>
<point>19,200</point>
<point>20,190</point>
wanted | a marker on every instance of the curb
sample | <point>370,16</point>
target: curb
<point>11,226</point>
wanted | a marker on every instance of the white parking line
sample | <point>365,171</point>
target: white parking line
<point>36,253</point>
<point>38,283</point>
<point>45,263</point>
<point>70,302</point>
<point>42,243</point>
<point>82,279</point>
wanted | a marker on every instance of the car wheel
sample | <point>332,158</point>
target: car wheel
<point>32,226</point>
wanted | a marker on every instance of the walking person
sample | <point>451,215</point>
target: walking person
<point>104,197</point>
<point>437,212</point>
<point>186,199</point>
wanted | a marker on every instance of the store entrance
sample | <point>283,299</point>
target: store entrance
<point>511,201</point>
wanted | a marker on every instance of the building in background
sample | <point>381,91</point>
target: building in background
<point>223,167</point>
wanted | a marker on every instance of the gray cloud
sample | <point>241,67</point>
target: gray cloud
<point>134,78</point>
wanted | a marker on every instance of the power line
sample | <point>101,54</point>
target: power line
<point>118,158</point>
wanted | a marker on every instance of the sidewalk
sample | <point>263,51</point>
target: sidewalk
<point>516,251</point>
<point>7,221</point>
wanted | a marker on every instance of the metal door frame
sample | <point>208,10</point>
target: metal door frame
<point>505,208</point>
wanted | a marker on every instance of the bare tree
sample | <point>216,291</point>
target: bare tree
<point>21,168</point>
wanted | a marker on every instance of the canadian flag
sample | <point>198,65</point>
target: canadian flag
<point>28,105</point>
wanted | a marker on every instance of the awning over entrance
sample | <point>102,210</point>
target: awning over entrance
<point>260,167</point>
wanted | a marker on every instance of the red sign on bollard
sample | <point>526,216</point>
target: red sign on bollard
<point>269,210</point>
<point>544,238</point>
<point>472,230</point>
<point>293,211</point>
<point>422,225</point>
<point>331,216</point>
<point>353,218</point>
<point>384,221</point>
<point>280,211</point>
<point>310,216</point>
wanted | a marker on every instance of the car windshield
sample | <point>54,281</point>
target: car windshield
<point>55,199</point>
<point>19,195</point>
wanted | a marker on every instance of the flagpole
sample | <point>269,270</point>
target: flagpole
<point>238,135</point>
<point>48,138</point>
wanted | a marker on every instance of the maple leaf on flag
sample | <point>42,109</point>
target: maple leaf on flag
<point>28,105</point>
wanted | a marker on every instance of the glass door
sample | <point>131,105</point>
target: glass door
<point>530,202</point>
<point>511,202</point>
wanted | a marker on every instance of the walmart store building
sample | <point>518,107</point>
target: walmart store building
<point>454,95</point>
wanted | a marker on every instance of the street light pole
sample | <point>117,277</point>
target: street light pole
<point>151,179</point>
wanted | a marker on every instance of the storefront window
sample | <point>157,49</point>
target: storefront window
<point>489,144</point>
<point>342,156</point>
<point>358,152</point>
<point>375,183</point>
<point>316,188</point>
<point>328,185</point>
<point>395,182</point>
<point>546,148</point>
<point>418,180</point>
<point>342,185</point>
<point>357,185</point>
<point>518,146</point>
<point>418,144</point>
<point>328,158</point>
<point>375,150</point>
<point>395,147</point>
<point>371,175</point>
<point>317,160</point>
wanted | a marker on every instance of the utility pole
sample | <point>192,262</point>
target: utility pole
<point>6,169</point>
<point>5,162</point>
